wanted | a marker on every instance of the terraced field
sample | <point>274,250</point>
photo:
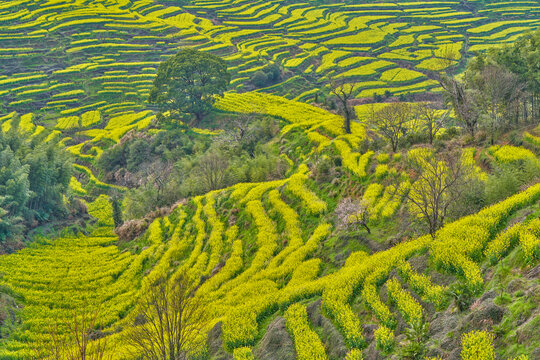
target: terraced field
<point>268,241</point>
<point>83,69</point>
<point>97,55</point>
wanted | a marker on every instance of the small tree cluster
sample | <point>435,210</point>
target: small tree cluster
<point>35,175</point>
<point>352,214</point>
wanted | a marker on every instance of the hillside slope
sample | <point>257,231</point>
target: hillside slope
<point>258,249</point>
<point>274,271</point>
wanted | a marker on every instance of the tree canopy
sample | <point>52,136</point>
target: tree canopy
<point>188,83</point>
<point>35,175</point>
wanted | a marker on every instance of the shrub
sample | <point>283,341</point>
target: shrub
<point>259,79</point>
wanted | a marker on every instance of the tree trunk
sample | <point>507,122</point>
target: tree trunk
<point>471,130</point>
<point>525,117</point>
<point>198,118</point>
<point>347,124</point>
<point>347,113</point>
<point>367,228</point>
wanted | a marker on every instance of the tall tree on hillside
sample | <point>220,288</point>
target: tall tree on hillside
<point>497,90</point>
<point>521,59</point>
<point>168,320</point>
<point>188,83</point>
<point>456,91</point>
<point>431,119</point>
<point>438,185</point>
<point>344,93</point>
<point>391,120</point>
<point>462,101</point>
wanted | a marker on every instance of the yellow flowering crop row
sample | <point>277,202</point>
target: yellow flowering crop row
<point>457,244</point>
<point>94,180</point>
<point>507,153</point>
<point>503,242</point>
<point>295,256</point>
<point>266,235</point>
<point>76,186</point>
<point>297,187</point>
<point>409,308</point>
<point>477,345</point>
<point>372,300</point>
<point>215,239</point>
<point>381,171</point>
<point>384,338</point>
<point>243,353</point>
<point>68,122</point>
<point>307,343</point>
<point>90,118</point>
<point>467,158</point>
<point>530,244</point>
<point>419,155</point>
<point>354,354</point>
<point>292,227</point>
<point>232,267</point>
<point>422,285</point>
<point>372,193</point>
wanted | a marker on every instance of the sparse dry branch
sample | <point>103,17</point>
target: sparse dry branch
<point>167,322</point>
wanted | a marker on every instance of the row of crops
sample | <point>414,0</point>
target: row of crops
<point>268,253</point>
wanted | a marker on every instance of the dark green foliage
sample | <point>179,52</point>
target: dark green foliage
<point>165,146</point>
<point>462,294</point>
<point>508,179</point>
<point>117,212</point>
<point>500,88</point>
<point>34,177</point>
<point>176,164</point>
<point>259,79</point>
<point>417,335</point>
<point>267,76</point>
<point>188,83</point>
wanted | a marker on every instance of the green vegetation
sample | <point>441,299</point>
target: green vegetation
<point>261,180</point>
<point>188,82</point>
<point>35,176</point>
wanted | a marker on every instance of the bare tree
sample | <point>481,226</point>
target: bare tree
<point>344,93</point>
<point>498,91</point>
<point>439,183</point>
<point>241,126</point>
<point>168,320</point>
<point>353,214</point>
<point>431,118</point>
<point>213,170</point>
<point>79,342</point>
<point>462,102</point>
<point>391,121</point>
<point>461,99</point>
<point>158,173</point>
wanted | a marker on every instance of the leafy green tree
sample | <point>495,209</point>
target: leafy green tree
<point>188,83</point>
